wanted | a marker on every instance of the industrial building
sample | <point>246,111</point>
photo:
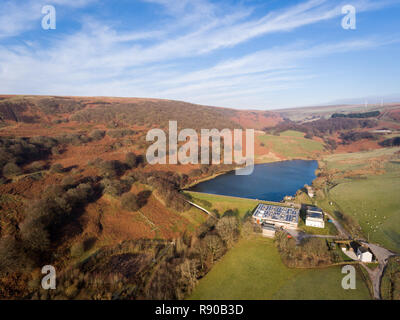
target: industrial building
<point>315,218</point>
<point>271,216</point>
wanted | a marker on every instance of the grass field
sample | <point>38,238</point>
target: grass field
<point>371,196</point>
<point>253,270</point>
<point>292,144</point>
<point>224,203</point>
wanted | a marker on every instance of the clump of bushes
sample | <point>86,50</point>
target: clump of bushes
<point>73,138</point>
<point>393,142</point>
<point>20,151</point>
<point>110,169</point>
<point>11,169</point>
<point>57,168</point>
<point>129,202</point>
<point>115,187</point>
<point>312,252</point>
<point>120,133</point>
<point>40,230</point>
<point>36,166</point>
<point>97,134</point>
<point>353,136</point>
<point>131,160</point>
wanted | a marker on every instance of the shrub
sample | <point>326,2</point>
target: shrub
<point>97,134</point>
<point>110,169</point>
<point>12,256</point>
<point>120,133</point>
<point>115,187</point>
<point>72,291</point>
<point>131,160</point>
<point>55,151</point>
<point>11,169</point>
<point>67,181</point>
<point>129,202</point>
<point>36,166</point>
<point>56,168</point>
<point>77,250</point>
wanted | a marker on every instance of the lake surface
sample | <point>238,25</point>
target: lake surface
<point>270,181</point>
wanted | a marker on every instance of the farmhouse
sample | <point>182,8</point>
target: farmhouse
<point>364,255</point>
<point>276,216</point>
<point>315,217</point>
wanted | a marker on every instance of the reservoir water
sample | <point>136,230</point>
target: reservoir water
<point>270,181</point>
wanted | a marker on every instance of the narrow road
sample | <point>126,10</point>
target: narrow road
<point>342,231</point>
<point>382,255</point>
<point>300,235</point>
<point>201,208</point>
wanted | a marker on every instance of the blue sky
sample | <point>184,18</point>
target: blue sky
<point>256,54</point>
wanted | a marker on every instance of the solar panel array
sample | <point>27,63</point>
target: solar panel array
<point>277,213</point>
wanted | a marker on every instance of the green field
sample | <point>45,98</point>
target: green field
<point>253,270</point>
<point>224,203</point>
<point>292,144</point>
<point>372,199</point>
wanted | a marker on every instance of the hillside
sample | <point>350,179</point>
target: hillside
<point>305,114</point>
<point>128,111</point>
<point>77,192</point>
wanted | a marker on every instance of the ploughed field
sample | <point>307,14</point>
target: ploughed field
<point>253,270</point>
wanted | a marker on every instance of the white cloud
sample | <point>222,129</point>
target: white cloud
<point>100,60</point>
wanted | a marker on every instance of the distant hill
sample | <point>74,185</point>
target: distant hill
<point>317,112</point>
<point>129,111</point>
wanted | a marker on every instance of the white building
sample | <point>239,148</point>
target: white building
<point>315,218</point>
<point>364,255</point>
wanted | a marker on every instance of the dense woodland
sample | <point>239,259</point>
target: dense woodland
<point>322,127</point>
<point>371,114</point>
<point>393,142</point>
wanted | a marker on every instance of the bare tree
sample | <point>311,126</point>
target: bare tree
<point>227,228</point>
<point>215,246</point>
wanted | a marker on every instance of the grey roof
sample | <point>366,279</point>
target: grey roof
<point>315,215</point>
<point>363,249</point>
<point>314,209</point>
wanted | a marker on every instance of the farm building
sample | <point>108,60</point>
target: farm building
<point>276,216</point>
<point>315,217</point>
<point>268,230</point>
<point>364,255</point>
